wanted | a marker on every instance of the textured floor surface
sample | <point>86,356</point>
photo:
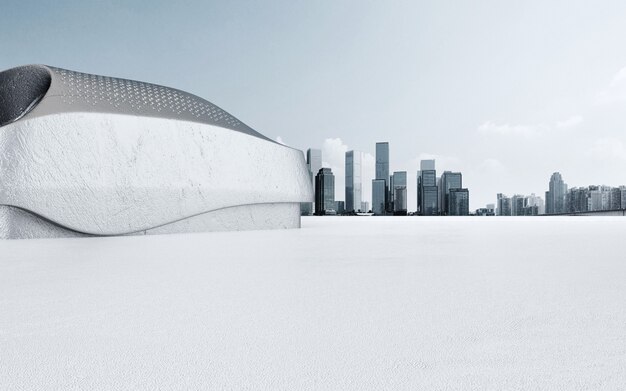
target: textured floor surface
<point>343,303</point>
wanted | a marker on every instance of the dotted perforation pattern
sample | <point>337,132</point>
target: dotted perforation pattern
<point>143,98</point>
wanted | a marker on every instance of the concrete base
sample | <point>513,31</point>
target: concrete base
<point>17,223</point>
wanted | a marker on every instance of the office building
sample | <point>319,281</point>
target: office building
<point>382,173</point>
<point>314,163</point>
<point>427,190</point>
<point>555,196</point>
<point>379,196</point>
<point>459,202</point>
<point>324,191</point>
<point>449,180</point>
<point>353,180</point>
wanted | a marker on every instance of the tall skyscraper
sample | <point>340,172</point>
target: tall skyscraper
<point>382,173</point>
<point>503,207</point>
<point>428,195</point>
<point>449,180</point>
<point>314,163</point>
<point>353,180</point>
<point>379,191</point>
<point>324,191</point>
<point>399,193</point>
<point>555,196</point>
<point>458,202</point>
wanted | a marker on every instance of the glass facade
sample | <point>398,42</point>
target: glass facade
<point>324,191</point>
<point>353,181</point>
<point>459,202</point>
<point>379,191</point>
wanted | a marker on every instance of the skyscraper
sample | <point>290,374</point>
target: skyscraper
<point>399,193</point>
<point>353,181</point>
<point>449,180</point>
<point>428,197</point>
<point>458,202</point>
<point>382,173</point>
<point>324,191</point>
<point>314,163</point>
<point>555,196</point>
<point>379,191</point>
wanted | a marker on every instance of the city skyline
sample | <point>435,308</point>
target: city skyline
<point>509,92</point>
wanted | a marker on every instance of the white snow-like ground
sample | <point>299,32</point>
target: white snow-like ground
<point>343,303</point>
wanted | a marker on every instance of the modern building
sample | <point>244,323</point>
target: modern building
<point>399,193</point>
<point>449,180</point>
<point>517,205</point>
<point>324,191</point>
<point>427,190</point>
<point>314,163</point>
<point>354,183</point>
<point>555,196</point>
<point>488,210</point>
<point>459,202</point>
<point>340,207</point>
<point>503,205</point>
<point>365,206</point>
<point>379,196</point>
<point>382,173</point>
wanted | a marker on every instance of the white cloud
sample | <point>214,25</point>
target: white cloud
<point>528,131</point>
<point>571,122</point>
<point>615,91</point>
<point>492,128</point>
<point>334,157</point>
<point>608,149</point>
<point>492,166</point>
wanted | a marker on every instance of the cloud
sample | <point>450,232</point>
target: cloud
<point>571,122</point>
<point>492,166</point>
<point>528,131</point>
<point>608,149</point>
<point>492,128</point>
<point>615,91</point>
<point>334,157</point>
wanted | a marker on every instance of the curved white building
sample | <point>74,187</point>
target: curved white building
<point>83,154</point>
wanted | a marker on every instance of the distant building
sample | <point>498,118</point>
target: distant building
<point>314,163</point>
<point>503,205</point>
<point>449,180</point>
<point>382,173</point>
<point>615,199</point>
<point>488,210</point>
<point>399,193</point>
<point>324,191</point>
<point>353,181</point>
<point>517,205</point>
<point>340,207</point>
<point>379,196</point>
<point>365,206</point>
<point>555,196</point>
<point>427,191</point>
<point>459,202</point>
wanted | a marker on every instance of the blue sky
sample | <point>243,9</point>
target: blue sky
<point>506,92</point>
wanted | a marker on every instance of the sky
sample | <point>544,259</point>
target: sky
<point>507,92</point>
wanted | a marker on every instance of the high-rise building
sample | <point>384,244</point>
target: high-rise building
<point>314,163</point>
<point>503,205</point>
<point>379,195</point>
<point>399,193</point>
<point>555,196</point>
<point>365,206</point>
<point>517,205</point>
<point>615,199</point>
<point>324,191</point>
<point>382,173</point>
<point>340,207</point>
<point>353,181</point>
<point>459,202</point>
<point>427,191</point>
<point>449,180</point>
